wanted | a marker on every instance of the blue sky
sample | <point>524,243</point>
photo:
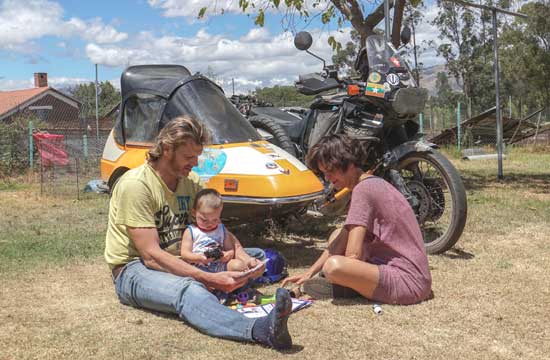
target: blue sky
<point>65,38</point>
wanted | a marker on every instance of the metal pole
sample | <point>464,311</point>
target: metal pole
<point>421,124</point>
<point>497,94</point>
<point>85,143</point>
<point>31,146</point>
<point>387,20</point>
<point>416,72</point>
<point>233,85</point>
<point>96,108</point>
<point>458,132</point>
<point>77,185</point>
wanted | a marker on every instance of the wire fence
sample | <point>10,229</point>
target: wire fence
<point>455,126</point>
<point>78,172</point>
<point>84,146</point>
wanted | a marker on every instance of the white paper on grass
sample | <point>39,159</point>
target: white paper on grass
<point>264,310</point>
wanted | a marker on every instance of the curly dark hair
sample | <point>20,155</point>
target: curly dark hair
<point>338,152</point>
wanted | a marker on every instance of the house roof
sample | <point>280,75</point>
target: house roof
<point>13,99</point>
<point>16,100</point>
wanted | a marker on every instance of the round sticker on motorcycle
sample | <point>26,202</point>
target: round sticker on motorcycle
<point>375,77</point>
<point>392,79</point>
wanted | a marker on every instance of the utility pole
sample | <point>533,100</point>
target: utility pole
<point>494,10</point>
<point>96,108</point>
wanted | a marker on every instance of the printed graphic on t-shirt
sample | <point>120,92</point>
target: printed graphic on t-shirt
<point>183,203</point>
<point>170,226</point>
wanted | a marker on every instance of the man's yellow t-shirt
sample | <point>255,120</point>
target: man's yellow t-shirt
<point>142,199</point>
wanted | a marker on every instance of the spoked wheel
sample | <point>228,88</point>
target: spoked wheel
<point>439,198</point>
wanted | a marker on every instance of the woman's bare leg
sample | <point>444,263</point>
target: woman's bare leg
<point>359,275</point>
<point>337,242</point>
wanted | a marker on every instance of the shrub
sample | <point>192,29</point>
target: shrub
<point>14,145</point>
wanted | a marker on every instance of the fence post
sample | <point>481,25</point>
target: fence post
<point>421,124</point>
<point>31,146</point>
<point>458,134</point>
<point>85,143</point>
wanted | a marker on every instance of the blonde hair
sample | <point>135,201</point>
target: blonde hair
<point>178,132</point>
<point>207,198</point>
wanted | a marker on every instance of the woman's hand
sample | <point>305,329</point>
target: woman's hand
<point>297,279</point>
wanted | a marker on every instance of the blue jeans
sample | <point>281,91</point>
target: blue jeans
<point>142,287</point>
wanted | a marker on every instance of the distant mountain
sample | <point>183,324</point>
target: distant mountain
<point>428,78</point>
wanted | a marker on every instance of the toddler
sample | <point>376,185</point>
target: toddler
<point>201,239</point>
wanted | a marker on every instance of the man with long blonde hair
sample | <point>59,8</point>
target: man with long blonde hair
<point>148,213</point>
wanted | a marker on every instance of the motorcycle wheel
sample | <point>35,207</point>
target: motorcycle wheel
<point>273,132</point>
<point>442,208</point>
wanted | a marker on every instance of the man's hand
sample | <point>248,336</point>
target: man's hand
<point>225,281</point>
<point>251,263</point>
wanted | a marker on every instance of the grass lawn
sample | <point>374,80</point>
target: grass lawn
<point>492,293</point>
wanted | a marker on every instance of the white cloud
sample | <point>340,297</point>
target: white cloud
<point>258,59</point>
<point>10,84</point>
<point>63,82</point>
<point>22,21</point>
<point>56,82</point>
<point>95,30</point>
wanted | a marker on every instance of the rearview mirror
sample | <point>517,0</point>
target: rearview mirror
<point>405,35</point>
<point>303,40</point>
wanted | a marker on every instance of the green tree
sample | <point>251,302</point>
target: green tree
<point>283,96</point>
<point>108,97</point>
<point>525,56</point>
<point>467,49</point>
<point>344,57</point>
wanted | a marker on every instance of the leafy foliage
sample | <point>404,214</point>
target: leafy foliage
<point>14,144</point>
<point>283,96</point>
<point>108,97</point>
<point>525,59</point>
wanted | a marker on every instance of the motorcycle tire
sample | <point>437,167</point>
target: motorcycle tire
<point>433,198</point>
<point>279,137</point>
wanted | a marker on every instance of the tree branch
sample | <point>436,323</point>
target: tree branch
<point>397,21</point>
<point>375,17</point>
<point>352,12</point>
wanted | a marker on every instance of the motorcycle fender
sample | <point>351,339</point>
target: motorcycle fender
<point>406,148</point>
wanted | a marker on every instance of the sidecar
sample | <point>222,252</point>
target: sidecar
<point>256,179</point>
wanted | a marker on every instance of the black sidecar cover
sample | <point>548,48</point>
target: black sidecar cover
<point>152,95</point>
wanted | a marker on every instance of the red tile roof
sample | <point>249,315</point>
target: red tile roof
<point>12,99</point>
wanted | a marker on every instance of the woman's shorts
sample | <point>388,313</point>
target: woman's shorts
<point>396,286</point>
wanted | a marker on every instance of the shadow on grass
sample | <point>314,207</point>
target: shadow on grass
<point>538,183</point>
<point>300,241</point>
<point>458,254</point>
